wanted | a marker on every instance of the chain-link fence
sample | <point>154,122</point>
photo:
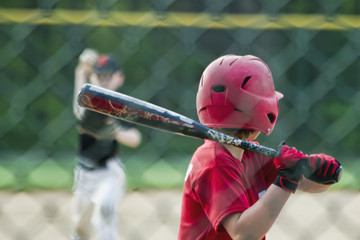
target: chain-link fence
<point>312,49</point>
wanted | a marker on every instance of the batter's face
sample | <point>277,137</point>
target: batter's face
<point>108,81</point>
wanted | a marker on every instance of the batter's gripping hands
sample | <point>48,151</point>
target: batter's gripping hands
<point>289,166</point>
<point>322,168</point>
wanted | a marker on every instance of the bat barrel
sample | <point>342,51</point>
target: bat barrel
<point>137,111</point>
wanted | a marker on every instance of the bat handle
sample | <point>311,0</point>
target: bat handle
<point>223,138</point>
<point>259,149</point>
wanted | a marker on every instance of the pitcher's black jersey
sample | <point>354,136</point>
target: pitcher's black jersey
<point>97,138</point>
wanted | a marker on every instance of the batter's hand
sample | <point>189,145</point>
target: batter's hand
<point>289,166</point>
<point>321,168</point>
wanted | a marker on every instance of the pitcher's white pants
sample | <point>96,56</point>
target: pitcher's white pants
<point>95,202</point>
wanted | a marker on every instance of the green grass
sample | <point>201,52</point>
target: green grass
<point>36,171</point>
<point>32,172</point>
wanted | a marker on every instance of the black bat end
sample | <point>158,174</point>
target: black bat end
<point>338,174</point>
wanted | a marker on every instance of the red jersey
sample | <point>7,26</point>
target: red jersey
<point>217,184</point>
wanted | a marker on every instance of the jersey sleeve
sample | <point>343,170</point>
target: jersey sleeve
<point>221,192</point>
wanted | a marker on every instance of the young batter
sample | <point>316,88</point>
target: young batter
<point>231,193</point>
<point>100,180</point>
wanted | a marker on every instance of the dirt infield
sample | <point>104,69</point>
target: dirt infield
<point>154,215</point>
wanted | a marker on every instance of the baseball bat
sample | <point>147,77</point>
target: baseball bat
<point>127,108</point>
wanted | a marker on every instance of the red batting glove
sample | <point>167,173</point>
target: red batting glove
<point>289,166</point>
<point>321,168</point>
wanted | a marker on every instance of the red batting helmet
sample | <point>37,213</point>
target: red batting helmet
<point>238,92</point>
